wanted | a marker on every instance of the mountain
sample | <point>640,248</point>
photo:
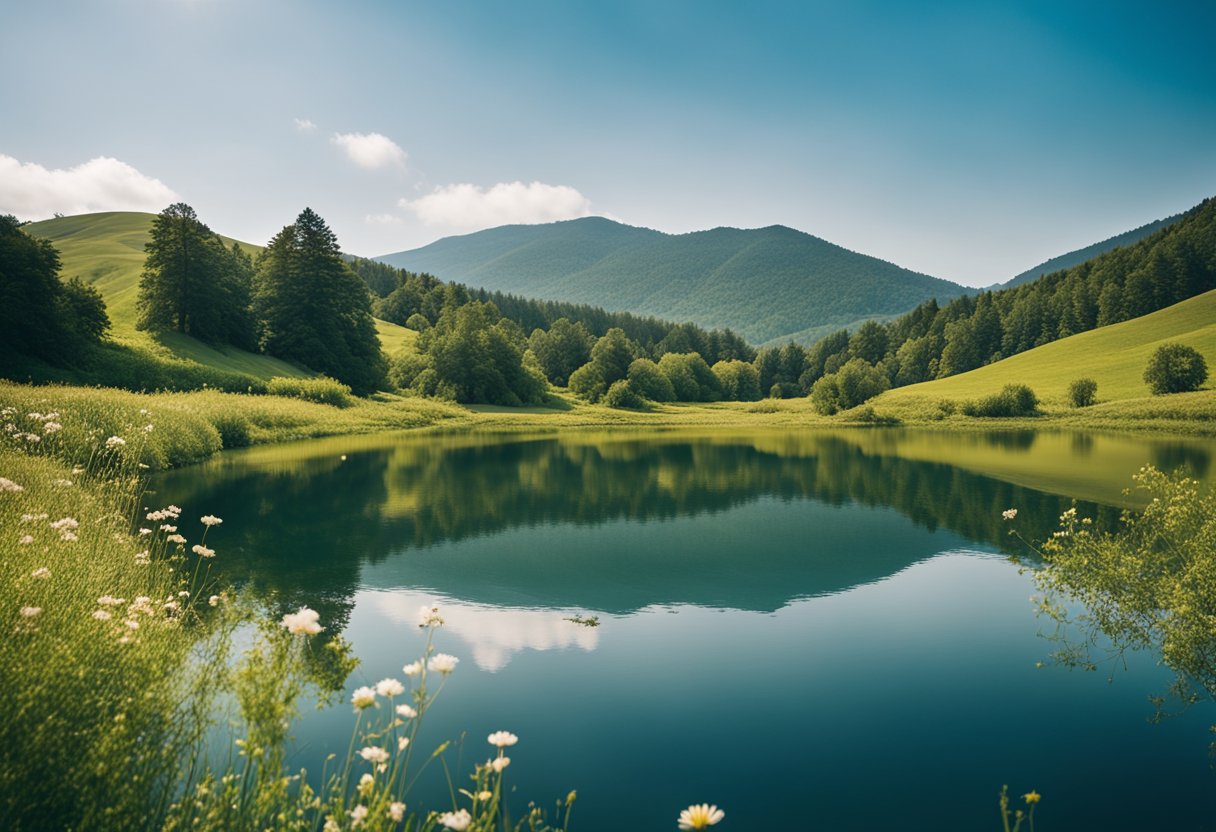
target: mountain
<point>768,284</point>
<point>106,250</point>
<point>1073,258</point>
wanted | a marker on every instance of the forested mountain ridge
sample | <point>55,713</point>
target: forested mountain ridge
<point>1079,256</point>
<point>768,284</point>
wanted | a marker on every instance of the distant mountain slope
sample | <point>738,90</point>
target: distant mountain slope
<point>1073,258</point>
<point>1114,356</point>
<point>767,284</point>
<point>106,250</point>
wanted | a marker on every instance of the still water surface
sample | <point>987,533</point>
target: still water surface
<point>812,630</point>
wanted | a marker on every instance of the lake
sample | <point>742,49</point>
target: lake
<point>813,630</point>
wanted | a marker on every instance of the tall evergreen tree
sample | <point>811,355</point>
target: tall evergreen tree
<point>312,309</point>
<point>182,284</point>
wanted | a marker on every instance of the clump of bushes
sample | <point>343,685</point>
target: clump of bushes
<point>1175,368</point>
<point>1083,392</point>
<point>1013,400</point>
<point>321,389</point>
<point>854,383</point>
<point>622,395</point>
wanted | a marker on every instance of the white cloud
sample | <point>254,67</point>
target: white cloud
<point>304,125</point>
<point>470,206</point>
<point>370,150</point>
<point>30,191</point>
<point>382,219</point>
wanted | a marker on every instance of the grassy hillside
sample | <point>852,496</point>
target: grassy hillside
<point>1073,258</point>
<point>1114,356</point>
<point>106,250</point>
<point>767,284</point>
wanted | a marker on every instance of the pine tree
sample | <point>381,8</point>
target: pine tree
<point>312,309</point>
<point>181,284</point>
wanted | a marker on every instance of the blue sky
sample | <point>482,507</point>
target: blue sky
<point>967,140</point>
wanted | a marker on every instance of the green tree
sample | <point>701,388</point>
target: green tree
<point>1083,392</point>
<point>739,380</point>
<point>855,382</point>
<point>561,350</point>
<point>622,395</point>
<point>610,360</point>
<point>40,316</point>
<point>188,282</point>
<point>313,309</point>
<point>476,357</point>
<point>1175,368</point>
<point>648,380</point>
<point>869,342</point>
<point>690,377</point>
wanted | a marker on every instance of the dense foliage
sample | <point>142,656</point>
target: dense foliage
<point>193,284</point>
<point>1083,392</point>
<point>313,309</point>
<point>474,355</point>
<point>1175,368</point>
<point>1013,400</point>
<point>415,298</point>
<point>41,316</point>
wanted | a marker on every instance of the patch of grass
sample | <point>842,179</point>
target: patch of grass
<point>322,390</point>
<point>1114,356</point>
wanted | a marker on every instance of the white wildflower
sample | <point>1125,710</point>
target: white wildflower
<point>406,712</point>
<point>210,520</point>
<point>396,812</point>
<point>176,538</point>
<point>442,663</point>
<point>144,532</point>
<point>502,739</point>
<point>413,668</point>
<point>147,428</point>
<point>33,438</point>
<point>389,687</point>
<point>115,442</point>
<point>367,783</point>
<point>68,537</point>
<point>202,551</point>
<point>213,601</point>
<point>1009,513</point>
<point>62,483</point>
<point>700,816</point>
<point>457,821</point>
<point>33,518</point>
<point>168,528</point>
<point>402,743</point>
<point>26,539</point>
<point>305,622</point>
<point>103,615</point>
<point>65,524</point>
<point>373,754</point>
<point>31,612</point>
<point>173,511</point>
<point>41,572</point>
<point>357,815</point>
<point>8,485</point>
<point>52,427</point>
<point>110,601</point>
<point>499,763</point>
<point>132,624</point>
<point>364,697</point>
<point>428,616</point>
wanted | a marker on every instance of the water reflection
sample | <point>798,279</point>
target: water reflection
<point>310,524</point>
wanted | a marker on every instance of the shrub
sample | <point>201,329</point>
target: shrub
<point>1175,368</point>
<point>417,322</point>
<point>1013,400</point>
<point>587,381</point>
<point>404,369</point>
<point>855,382</point>
<point>648,380</point>
<point>322,390</point>
<point>690,377</point>
<point>622,395</point>
<point>1083,392</point>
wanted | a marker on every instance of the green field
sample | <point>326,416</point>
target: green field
<point>106,250</point>
<point>1114,356</point>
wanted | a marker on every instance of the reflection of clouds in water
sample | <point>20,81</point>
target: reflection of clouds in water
<point>494,634</point>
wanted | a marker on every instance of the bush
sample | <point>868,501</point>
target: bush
<point>690,377</point>
<point>322,390</point>
<point>1083,392</point>
<point>648,380</point>
<point>1013,400</point>
<point>1175,368</point>
<point>855,382</point>
<point>622,395</point>
<point>405,368</point>
<point>417,322</point>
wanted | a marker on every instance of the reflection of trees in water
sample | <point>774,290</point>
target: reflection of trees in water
<point>301,529</point>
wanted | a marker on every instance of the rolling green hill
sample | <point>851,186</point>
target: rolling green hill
<point>1073,258</point>
<point>1114,356</point>
<point>768,284</point>
<point>106,250</point>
